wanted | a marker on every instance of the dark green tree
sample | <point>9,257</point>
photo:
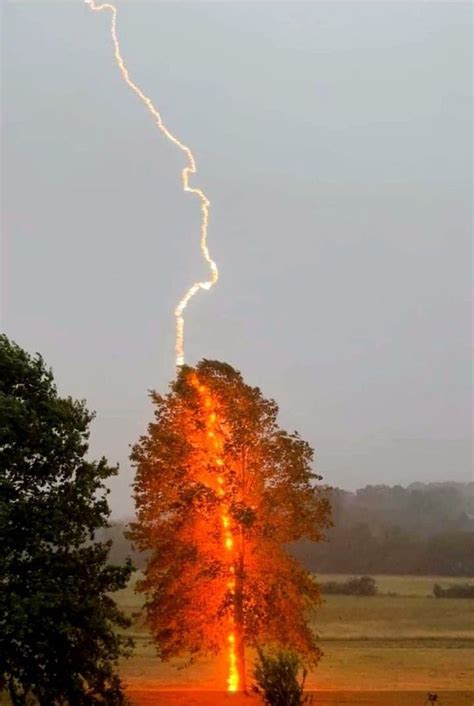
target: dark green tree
<point>58,638</point>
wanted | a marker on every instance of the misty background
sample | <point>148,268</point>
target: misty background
<point>334,142</point>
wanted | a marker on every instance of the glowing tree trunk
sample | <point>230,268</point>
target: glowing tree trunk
<point>239,620</point>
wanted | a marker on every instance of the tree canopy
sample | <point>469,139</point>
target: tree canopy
<point>57,620</point>
<point>221,491</point>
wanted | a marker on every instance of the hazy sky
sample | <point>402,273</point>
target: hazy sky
<point>333,140</point>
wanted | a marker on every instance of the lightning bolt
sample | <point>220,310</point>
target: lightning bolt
<point>187,171</point>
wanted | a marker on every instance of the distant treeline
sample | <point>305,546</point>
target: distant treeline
<point>422,529</point>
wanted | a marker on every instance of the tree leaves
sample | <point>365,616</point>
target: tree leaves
<point>57,620</point>
<point>271,500</point>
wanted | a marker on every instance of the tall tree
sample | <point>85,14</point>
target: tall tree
<point>221,491</point>
<point>57,619</point>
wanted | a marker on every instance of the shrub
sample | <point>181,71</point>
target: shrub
<point>277,675</point>
<point>464,590</point>
<point>362,586</point>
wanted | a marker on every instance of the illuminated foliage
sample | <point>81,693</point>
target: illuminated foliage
<point>221,491</point>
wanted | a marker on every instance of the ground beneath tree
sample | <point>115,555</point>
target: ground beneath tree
<point>154,697</point>
<point>389,650</point>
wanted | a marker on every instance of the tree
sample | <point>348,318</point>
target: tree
<point>57,619</point>
<point>221,491</point>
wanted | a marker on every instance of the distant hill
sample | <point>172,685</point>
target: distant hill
<point>425,528</point>
<point>421,508</point>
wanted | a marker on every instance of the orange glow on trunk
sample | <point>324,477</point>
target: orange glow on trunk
<point>216,444</point>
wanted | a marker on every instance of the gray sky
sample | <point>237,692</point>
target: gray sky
<point>333,140</point>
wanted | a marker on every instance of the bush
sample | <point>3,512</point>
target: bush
<point>277,677</point>
<point>464,590</point>
<point>362,586</point>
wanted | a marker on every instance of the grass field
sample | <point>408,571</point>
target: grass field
<point>387,650</point>
<point>409,642</point>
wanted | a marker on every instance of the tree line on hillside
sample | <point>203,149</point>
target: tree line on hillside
<point>422,529</point>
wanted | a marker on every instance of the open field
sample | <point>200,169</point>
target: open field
<point>409,642</point>
<point>320,698</point>
<point>404,585</point>
<point>387,650</point>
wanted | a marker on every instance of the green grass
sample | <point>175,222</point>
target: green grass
<point>394,617</point>
<point>409,641</point>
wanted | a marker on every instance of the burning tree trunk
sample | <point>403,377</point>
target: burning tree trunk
<point>239,618</point>
<point>221,491</point>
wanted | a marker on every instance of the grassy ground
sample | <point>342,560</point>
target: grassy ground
<point>408,642</point>
<point>320,698</point>
<point>389,650</point>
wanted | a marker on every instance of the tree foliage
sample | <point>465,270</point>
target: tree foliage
<point>57,619</point>
<point>272,500</point>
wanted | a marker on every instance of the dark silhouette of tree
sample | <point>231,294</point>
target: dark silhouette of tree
<point>57,619</point>
<point>221,491</point>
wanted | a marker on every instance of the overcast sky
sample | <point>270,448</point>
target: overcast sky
<point>333,140</point>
